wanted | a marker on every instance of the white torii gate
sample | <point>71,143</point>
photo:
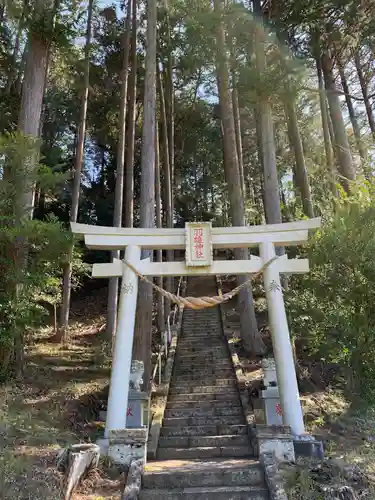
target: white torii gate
<point>199,239</point>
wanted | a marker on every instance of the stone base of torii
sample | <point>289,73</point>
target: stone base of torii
<point>198,240</point>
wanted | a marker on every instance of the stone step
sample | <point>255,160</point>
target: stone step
<point>209,389</point>
<point>203,324</point>
<point>206,333</point>
<point>169,474</point>
<point>202,370</point>
<point>177,387</point>
<point>205,430</point>
<point>202,350</point>
<point>215,493</point>
<point>199,441</point>
<point>176,405</point>
<point>206,371</point>
<point>212,315</point>
<point>217,352</point>
<point>204,340</point>
<point>204,452</point>
<point>201,363</point>
<point>202,357</point>
<point>207,420</point>
<point>202,380</point>
<point>206,360</point>
<point>225,373</point>
<point>202,360</point>
<point>176,382</point>
<point>212,353</point>
<point>203,412</point>
<point>189,338</point>
<point>198,337</point>
<point>231,395</point>
<point>207,329</point>
<point>222,363</point>
<point>200,367</point>
<point>189,347</point>
<point>194,377</point>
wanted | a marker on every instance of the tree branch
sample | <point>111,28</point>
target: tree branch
<point>339,92</point>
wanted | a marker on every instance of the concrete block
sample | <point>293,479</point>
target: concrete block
<point>311,448</point>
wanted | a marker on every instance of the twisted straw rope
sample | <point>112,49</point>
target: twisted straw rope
<point>201,302</point>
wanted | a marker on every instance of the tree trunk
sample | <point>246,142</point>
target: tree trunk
<point>249,329</point>
<point>352,114</point>
<point>33,90</point>
<point>13,67</point>
<point>258,136</point>
<point>169,104</point>
<point>236,112</point>
<point>159,253</point>
<point>326,127</point>
<point>119,189</point>
<point>2,13</point>
<point>28,124</point>
<point>237,124</point>
<point>302,178</point>
<point>143,326</point>
<point>67,278</point>
<point>271,183</point>
<point>167,181</point>
<point>19,79</point>
<point>128,217</point>
<point>366,98</point>
<point>169,100</point>
<point>344,156</point>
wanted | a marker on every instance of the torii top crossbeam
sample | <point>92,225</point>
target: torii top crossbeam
<point>112,238</point>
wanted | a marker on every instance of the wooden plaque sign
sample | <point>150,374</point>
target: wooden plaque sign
<point>198,244</point>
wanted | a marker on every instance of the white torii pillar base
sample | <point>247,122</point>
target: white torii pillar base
<point>282,347</point>
<point>122,353</point>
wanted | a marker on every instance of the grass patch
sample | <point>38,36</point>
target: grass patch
<point>49,409</point>
<point>332,478</point>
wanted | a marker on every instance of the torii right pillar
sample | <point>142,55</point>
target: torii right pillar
<point>282,346</point>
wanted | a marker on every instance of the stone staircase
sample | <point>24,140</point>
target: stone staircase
<point>203,450</point>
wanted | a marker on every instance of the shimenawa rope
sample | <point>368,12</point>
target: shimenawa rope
<point>201,302</point>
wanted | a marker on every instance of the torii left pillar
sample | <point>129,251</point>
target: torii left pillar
<point>122,352</point>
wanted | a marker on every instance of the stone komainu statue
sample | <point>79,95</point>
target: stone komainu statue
<point>136,375</point>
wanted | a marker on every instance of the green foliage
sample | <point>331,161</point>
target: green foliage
<point>32,252</point>
<point>331,308</point>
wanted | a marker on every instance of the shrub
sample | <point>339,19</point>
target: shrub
<point>332,308</point>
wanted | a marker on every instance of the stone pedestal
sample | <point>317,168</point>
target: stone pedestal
<point>137,405</point>
<point>277,440</point>
<point>271,406</point>
<point>127,445</point>
<point>269,396</point>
